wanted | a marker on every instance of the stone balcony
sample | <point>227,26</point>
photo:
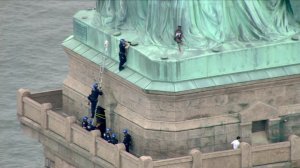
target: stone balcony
<point>66,143</point>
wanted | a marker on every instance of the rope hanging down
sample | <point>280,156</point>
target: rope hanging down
<point>102,64</point>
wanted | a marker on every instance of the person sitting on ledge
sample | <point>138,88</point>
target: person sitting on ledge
<point>178,37</point>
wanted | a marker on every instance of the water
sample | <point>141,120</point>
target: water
<point>31,56</point>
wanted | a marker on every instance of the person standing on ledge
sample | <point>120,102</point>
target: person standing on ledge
<point>236,143</point>
<point>178,37</point>
<point>93,98</point>
<point>127,140</point>
<point>123,46</point>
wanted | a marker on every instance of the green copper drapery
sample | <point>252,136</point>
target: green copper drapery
<point>205,23</point>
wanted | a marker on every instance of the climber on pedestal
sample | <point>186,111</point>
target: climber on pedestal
<point>93,98</point>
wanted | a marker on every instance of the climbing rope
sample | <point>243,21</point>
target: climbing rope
<point>102,64</point>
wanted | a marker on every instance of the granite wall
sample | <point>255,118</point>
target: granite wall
<point>208,119</point>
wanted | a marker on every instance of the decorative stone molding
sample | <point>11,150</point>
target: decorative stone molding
<point>258,111</point>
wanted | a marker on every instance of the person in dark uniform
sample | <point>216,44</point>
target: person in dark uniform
<point>107,135</point>
<point>93,98</point>
<point>101,120</point>
<point>84,122</point>
<point>127,139</point>
<point>178,37</point>
<point>113,139</point>
<point>90,126</point>
<point>123,46</point>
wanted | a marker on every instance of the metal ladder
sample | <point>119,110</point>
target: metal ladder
<point>102,64</point>
<point>101,71</point>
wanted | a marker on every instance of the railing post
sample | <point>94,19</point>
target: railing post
<point>120,147</point>
<point>246,155</point>
<point>93,146</point>
<point>145,162</point>
<point>69,121</point>
<point>197,158</point>
<point>295,150</point>
<point>20,105</point>
<point>44,114</point>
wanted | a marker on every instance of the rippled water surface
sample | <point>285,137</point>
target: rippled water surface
<point>31,56</point>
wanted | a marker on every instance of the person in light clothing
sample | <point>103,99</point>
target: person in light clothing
<point>236,143</point>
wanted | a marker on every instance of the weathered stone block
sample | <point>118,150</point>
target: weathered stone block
<point>181,136</point>
<point>206,141</point>
<point>195,133</point>
<point>194,143</point>
<point>220,139</point>
<point>219,130</point>
<point>208,131</point>
<point>220,147</point>
<point>232,128</point>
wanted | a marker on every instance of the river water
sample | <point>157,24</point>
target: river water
<point>31,56</point>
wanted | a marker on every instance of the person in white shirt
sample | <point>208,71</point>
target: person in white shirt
<point>236,143</point>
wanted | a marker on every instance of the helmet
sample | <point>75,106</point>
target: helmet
<point>125,131</point>
<point>95,85</point>
<point>85,118</point>
<point>113,135</point>
<point>90,121</point>
<point>107,129</point>
<point>122,41</point>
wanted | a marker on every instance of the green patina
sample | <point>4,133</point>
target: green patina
<point>230,56</point>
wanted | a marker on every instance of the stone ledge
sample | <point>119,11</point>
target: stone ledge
<point>152,85</point>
